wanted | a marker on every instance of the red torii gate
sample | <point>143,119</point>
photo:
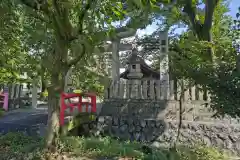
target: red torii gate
<point>79,104</point>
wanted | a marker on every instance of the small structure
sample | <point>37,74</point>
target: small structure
<point>138,69</point>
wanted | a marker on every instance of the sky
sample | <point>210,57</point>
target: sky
<point>234,4</point>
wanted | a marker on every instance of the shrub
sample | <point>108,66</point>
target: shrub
<point>107,147</point>
<point>19,146</point>
<point>200,153</point>
<point>2,112</point>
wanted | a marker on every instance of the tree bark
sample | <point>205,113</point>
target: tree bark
<point>54,91</point>
<point>202,30</point>
<point>58,72</point>
<point>43,86</point>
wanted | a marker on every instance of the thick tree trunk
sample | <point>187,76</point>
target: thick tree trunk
<point>54,92</point>
<point>43,86</point>
<point>53,121</point>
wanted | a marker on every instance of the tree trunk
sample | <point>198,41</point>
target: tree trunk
<point>54,92</point>
<point>43,84</point>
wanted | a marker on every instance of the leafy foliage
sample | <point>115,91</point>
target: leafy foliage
<point>17,145</point>
<point>2,112</point>
<point>11,58</point>
<point>189,61</point>
<point>107,147</point>
<point>20,146</point>
<point>222,80</point>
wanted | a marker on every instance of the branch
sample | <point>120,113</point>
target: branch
<point>78,58</point>
<point>58,19</point>
<point>39,17</point>
<point>190,10</point>
<point>40,5</point>
<point>83,14</point>
<point>140,21</point>
<point>128,33</point>
<point>209,10</point>
<point>56,6</point>
<point>128,30</point>
<point>81,19</point>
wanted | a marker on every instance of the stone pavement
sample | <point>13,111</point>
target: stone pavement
<point>30,121</point>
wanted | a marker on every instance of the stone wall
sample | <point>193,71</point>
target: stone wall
<point>157,123</point>
<point>150,109</point>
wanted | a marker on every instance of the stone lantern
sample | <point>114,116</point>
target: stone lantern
<point>134,66</point>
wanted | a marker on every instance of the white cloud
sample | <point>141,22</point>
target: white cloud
<point>148,30</point>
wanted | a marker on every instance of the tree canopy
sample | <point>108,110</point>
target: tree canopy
<point>49,37</point>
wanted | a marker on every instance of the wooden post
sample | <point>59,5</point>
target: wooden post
<point>34,94</point>
<point>193,93</point>
<point>208,96</point>
<point>179,90</point>
<point>145,96</point>
<point>158,89</point>
<point>121,89</point>
<point>171,90</point>
<point>12,91</point>
<point>186,91</point>
<point>200,94</point>
<point>115,59</point>
<point>151,88</point>
<point>128,89</point>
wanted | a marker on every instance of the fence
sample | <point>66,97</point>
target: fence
<point>155,90</point>
<point>18,95</point>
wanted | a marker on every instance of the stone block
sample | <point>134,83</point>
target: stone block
<point>123,128</point>
<point>115,121</point>
<point>143,123</point>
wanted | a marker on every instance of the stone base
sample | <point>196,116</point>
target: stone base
<point>160,132</point>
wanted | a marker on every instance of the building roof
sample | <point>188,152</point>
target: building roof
<point>147,71</point>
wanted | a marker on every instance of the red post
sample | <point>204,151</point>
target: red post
<point>63,106</point>
<point>94,103</point>
<point>80,104</point>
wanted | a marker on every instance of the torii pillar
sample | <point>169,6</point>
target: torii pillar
<point>115,59</point>
<point>164,65</point>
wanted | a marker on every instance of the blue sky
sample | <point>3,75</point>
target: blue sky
<point>234,4</point>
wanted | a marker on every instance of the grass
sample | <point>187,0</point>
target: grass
<point>19,146</point>
<point>2,112</point>
<point>101,147</point>
<point>107,147</point>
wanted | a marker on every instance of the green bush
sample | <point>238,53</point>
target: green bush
<point>19,146</point>
<point>2,112</point>
<point>107,147</point>
<point>201,153</point>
